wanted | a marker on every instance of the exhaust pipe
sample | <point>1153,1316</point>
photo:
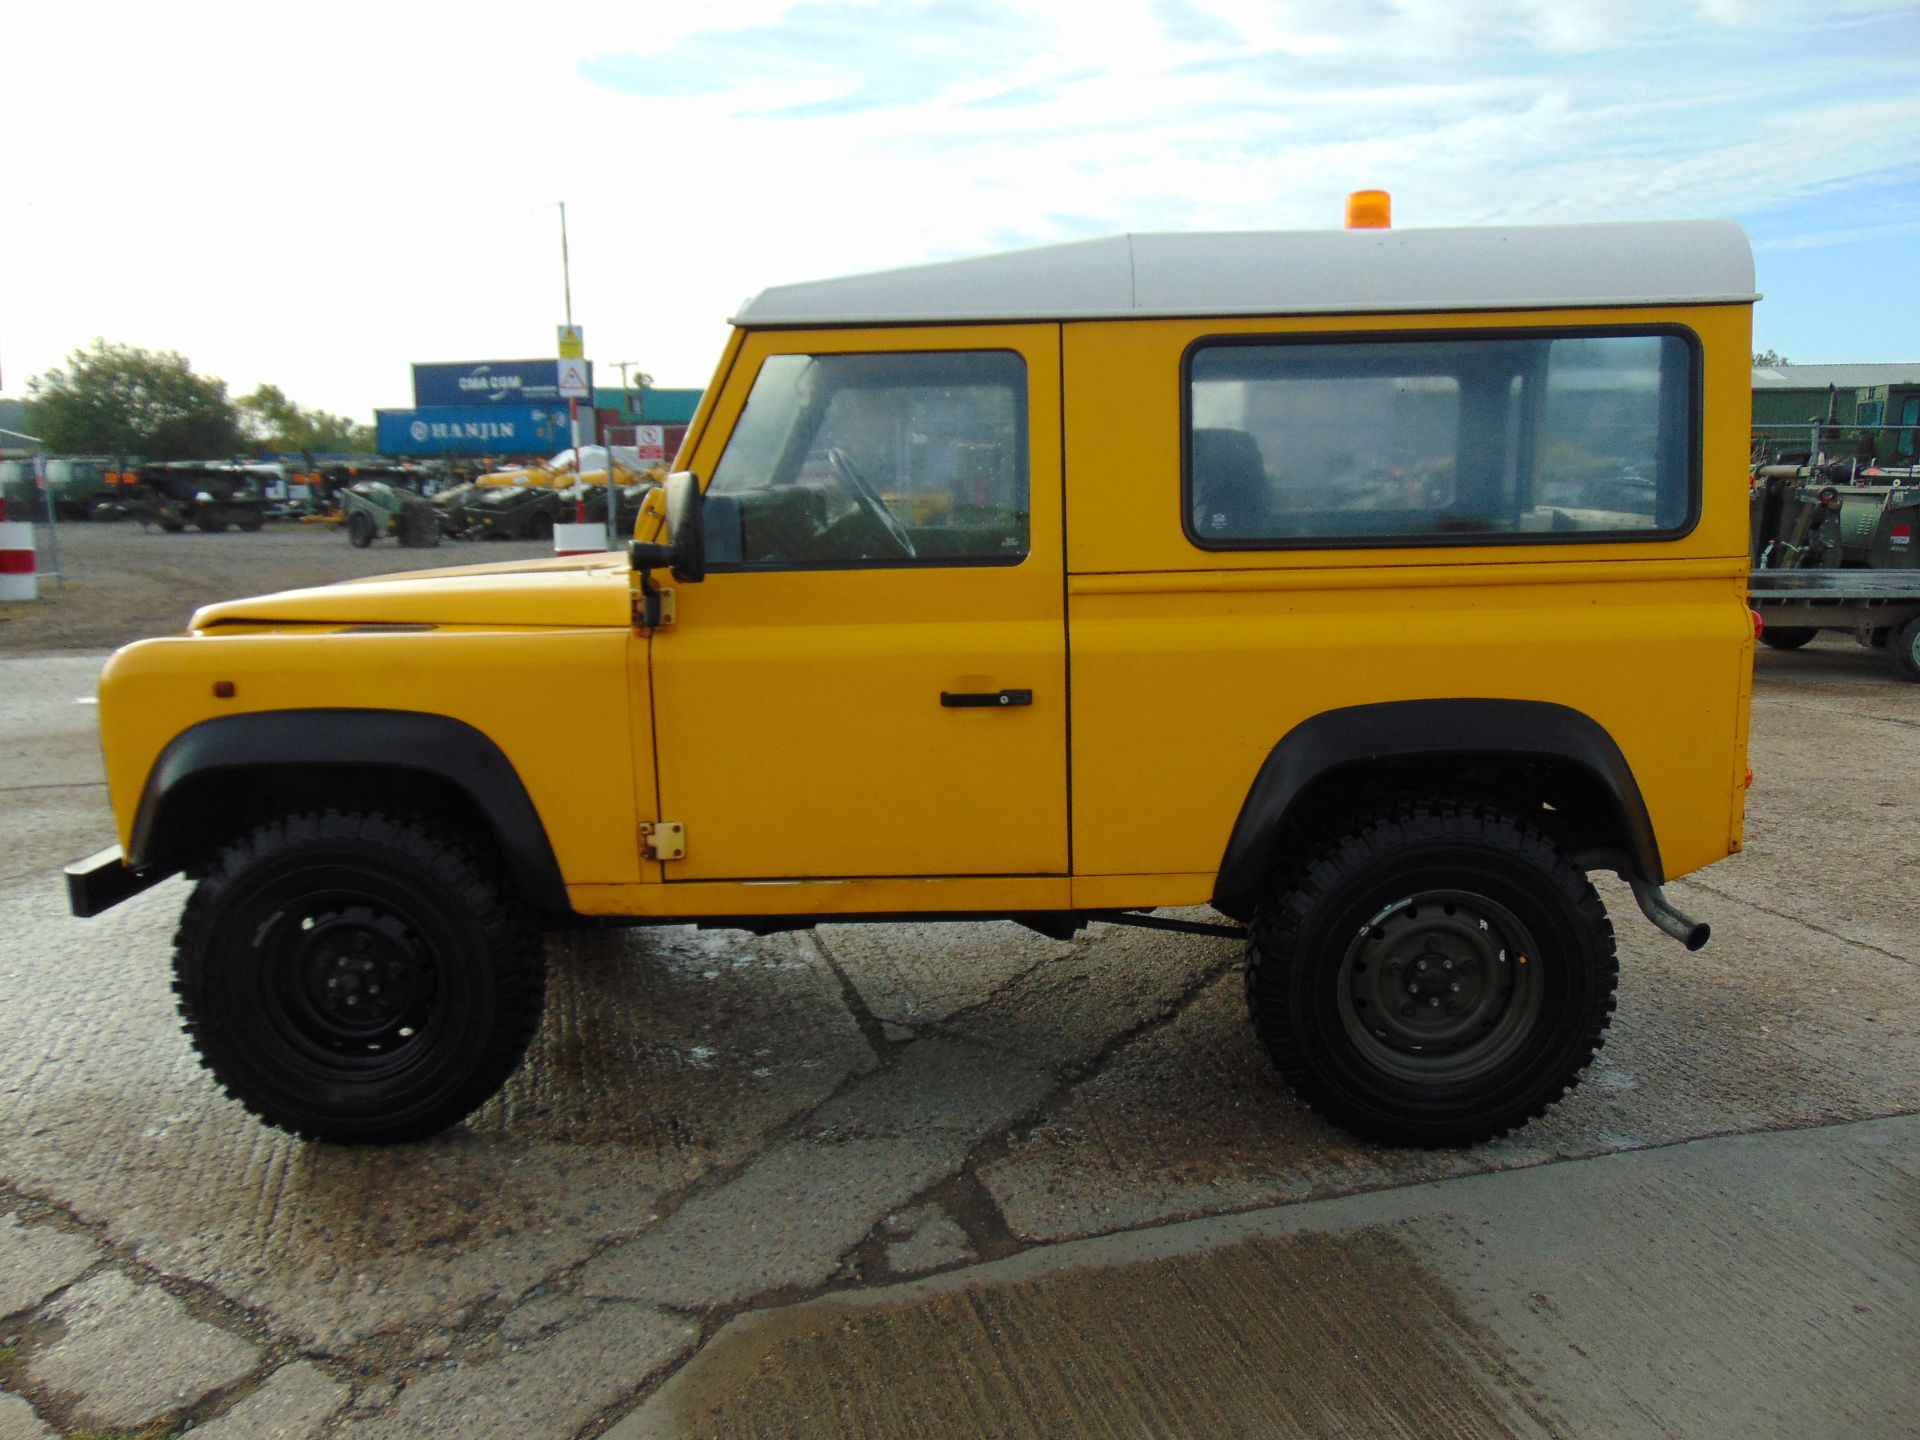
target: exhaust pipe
<point>1656,907</point>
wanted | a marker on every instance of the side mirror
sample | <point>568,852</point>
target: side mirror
<point>685,552</point>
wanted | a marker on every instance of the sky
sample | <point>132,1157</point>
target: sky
<point>318,195</point>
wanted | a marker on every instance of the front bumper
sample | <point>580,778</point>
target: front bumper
<point>104,879</point>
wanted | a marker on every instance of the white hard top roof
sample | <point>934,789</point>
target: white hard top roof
<point>1308,272</point>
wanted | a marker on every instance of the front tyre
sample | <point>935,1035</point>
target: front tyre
<point>1437,976</point>
<point>356,977</point>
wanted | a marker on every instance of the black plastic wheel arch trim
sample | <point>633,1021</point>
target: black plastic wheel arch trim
<point>1424,729</point>
<point>399,740</point>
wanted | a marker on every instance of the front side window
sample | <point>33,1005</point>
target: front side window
<point>1455,439</point>
<point>898,458</point>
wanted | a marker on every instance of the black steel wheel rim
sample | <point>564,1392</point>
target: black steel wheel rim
<point>351,981</point>
<point>1442,987</point>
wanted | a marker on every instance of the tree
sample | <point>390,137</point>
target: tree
<point>273,422</point>
<point>122,400</point>
<point>1769,357</point>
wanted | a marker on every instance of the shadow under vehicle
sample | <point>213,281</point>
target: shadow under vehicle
<point>1836,546</point>
<point>208,495</point>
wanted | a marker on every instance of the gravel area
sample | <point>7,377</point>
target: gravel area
<point>124,582</point>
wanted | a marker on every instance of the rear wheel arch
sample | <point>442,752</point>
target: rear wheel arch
<point>1554,765</point>
<point>217,778</point>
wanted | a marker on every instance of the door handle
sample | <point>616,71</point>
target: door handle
<point>968,700</point>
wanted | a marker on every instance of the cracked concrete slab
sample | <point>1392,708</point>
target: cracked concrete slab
<point>36,1260</point>
<point>293,1403</point>
<point>546,1389</point>
<point>784,1222</point>
<point>1759,1285</point>
<point>1774,1024</point>
<point>936,1088</point>
<point>1053,1003</point>
<point>922,1239</point>
<point>781,1225</point>
<point>923,974</point>
<point>131,1353</point>
<point>665,1055</point>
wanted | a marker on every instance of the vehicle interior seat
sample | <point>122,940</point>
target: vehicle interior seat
<point>1230,496</point>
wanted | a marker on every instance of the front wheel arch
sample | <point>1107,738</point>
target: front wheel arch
<point>218,777</point>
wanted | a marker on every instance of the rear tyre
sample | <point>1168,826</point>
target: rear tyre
<point>540,527</point>
<point>1788,637</point>
<point>1905,649</point>
<point>356,977</point>
<point>212,524</point>
<point>1437,976</point>
<point>360,530</point>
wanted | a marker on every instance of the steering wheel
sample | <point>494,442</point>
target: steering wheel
<point>869,498</point>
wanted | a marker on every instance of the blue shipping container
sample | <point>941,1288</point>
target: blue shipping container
<point>473,430</point>
<point>487,382</point>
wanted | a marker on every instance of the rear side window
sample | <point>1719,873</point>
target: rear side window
<point>1462,439</point>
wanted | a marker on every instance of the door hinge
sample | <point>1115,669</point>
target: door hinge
<point>663,839</point>
<point>654,608</point>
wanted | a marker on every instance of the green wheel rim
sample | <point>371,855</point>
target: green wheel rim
<point>1441,987</point>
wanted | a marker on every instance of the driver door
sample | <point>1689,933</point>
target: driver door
<point>875,684</point>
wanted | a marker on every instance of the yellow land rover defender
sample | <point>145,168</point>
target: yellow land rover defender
<point>1369,586</point>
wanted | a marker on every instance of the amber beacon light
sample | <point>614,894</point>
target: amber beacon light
<point>1369,210</point>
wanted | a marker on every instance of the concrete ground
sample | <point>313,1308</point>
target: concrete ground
<point>940,1180</point>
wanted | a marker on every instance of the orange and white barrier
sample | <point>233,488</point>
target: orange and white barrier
<point>18,577</point>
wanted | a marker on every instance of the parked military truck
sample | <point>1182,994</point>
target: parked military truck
<point>209,495</point>
<point>516,512</point>
<point>1834,548</point>
<point>79,487</point>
